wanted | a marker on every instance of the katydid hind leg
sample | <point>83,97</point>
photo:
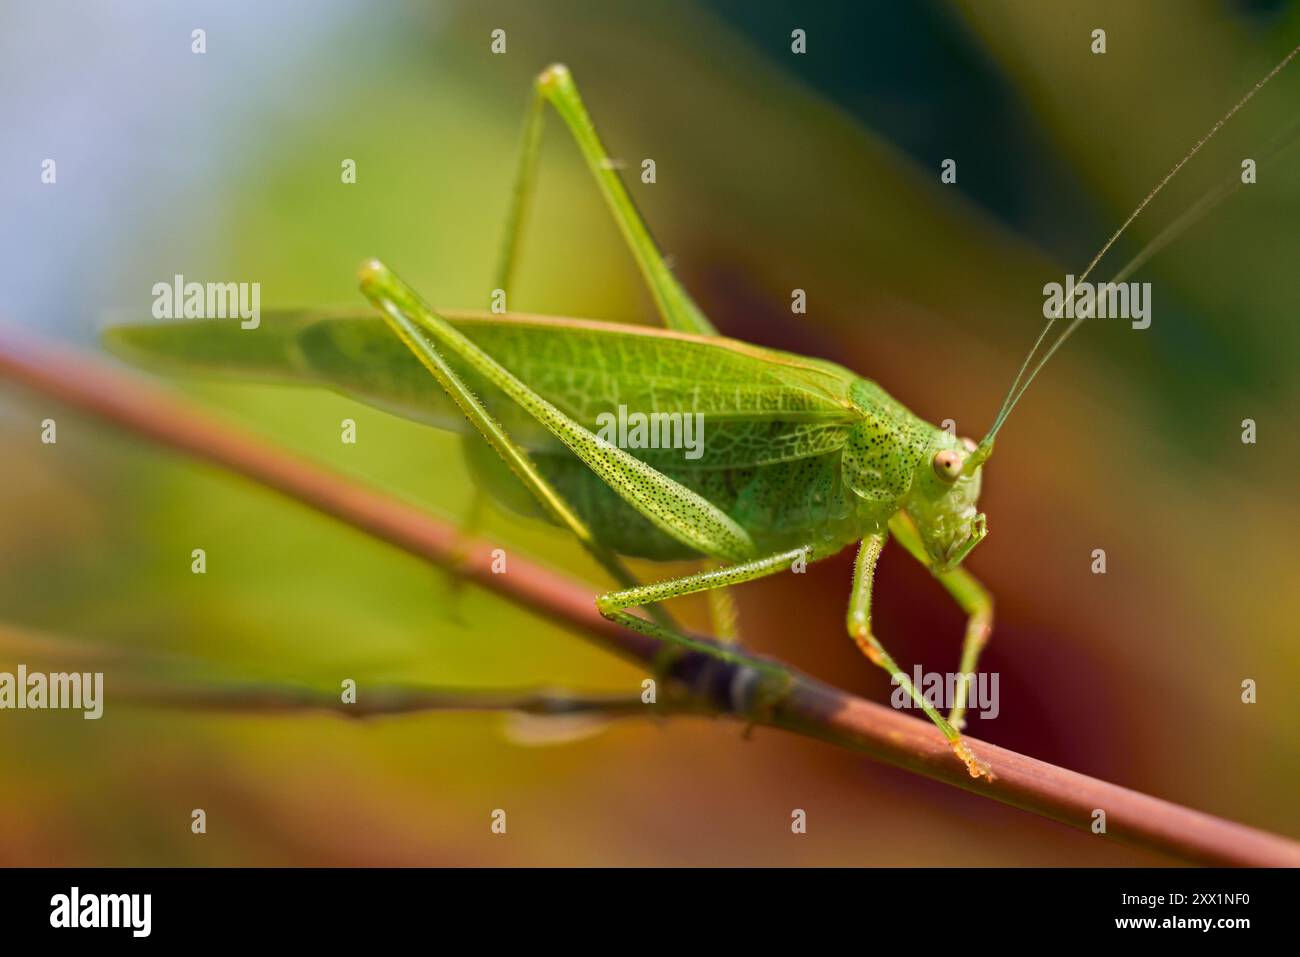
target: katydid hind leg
<point>514,455</point>
<point>676,510</point>
<point>859,626</point>
<point>555,86</point>
<point>676,309</point>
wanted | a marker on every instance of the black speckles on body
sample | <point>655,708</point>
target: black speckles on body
<point>782,506</point>
<point>883,449</point>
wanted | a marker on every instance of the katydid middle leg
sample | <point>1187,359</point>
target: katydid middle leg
<point>859,625</point>
<point>614,605</point>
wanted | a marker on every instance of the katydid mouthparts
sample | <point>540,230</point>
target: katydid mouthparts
<point>802,457</point>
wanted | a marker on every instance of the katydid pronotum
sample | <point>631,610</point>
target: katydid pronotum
<point>803,457</point>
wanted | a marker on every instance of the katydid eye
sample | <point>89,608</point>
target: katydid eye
<point>947,465</point>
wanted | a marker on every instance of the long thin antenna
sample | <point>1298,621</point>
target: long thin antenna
<point>1185,221</point>
<point>1018,387</point>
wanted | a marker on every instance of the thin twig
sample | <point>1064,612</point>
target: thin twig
<point>810,707</point>
<point>156,679</point>
<point>382,700</point>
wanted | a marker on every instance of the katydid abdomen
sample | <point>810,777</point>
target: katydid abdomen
<point>782,506</point>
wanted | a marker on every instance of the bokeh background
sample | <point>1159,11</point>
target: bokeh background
<point>775,171</point>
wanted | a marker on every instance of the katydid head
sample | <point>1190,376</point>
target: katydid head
<point>942,501</point>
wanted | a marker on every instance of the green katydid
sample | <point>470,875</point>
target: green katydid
<point>802,458</point>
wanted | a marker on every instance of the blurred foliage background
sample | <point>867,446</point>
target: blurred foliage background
<point>775,171</point>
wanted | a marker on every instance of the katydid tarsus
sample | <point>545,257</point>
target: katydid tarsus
<point>803,457</point>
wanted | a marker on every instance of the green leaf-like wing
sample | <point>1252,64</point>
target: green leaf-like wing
<point>759,406</point>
